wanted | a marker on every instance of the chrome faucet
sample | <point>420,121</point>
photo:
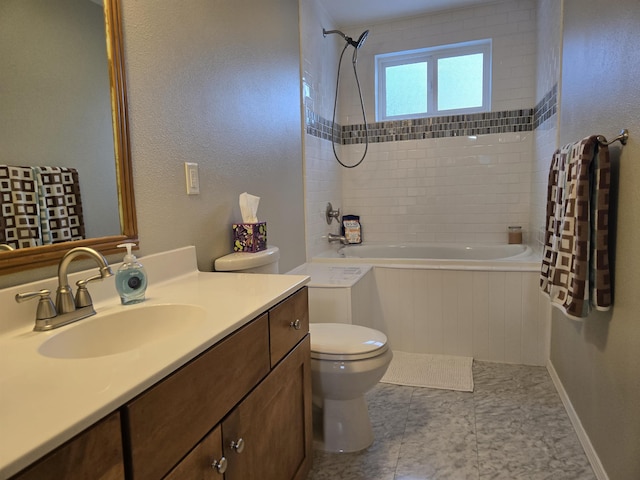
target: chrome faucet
<point>332,237</point>
<point>65,302</point>
<point>5,247</point>
<point>67,309</point>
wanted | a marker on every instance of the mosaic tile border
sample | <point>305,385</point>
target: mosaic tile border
<point>505,121</point>
<point>546,108</point>
<point>320,127</point>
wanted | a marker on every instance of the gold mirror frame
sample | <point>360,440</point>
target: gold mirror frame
<point>35,257</point>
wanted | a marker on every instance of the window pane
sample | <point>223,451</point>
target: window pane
<point>406,89</point>
<point>460,82</point>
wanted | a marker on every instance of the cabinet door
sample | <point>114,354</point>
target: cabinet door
<point>288,324</point>
<point>96,453</point>
<point>164,423</point>
<point>198,465</point>
<point>274,423</point>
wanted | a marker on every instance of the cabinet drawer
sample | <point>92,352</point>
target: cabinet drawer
<point>96,453</point>
<point>288,324</point>
<point>164,423</point>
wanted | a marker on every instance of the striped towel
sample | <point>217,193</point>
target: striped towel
<point>575,265</point>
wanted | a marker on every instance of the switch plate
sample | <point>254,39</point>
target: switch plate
<point>191,176</point>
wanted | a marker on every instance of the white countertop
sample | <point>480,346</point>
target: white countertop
<point>46,401</point>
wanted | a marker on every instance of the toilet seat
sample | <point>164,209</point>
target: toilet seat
<point>339,341</point>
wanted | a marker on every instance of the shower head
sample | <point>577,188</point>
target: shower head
<point>354,43</point>
<point>361,39</point>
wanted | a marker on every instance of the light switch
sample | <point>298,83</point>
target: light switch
<point>191,176</point>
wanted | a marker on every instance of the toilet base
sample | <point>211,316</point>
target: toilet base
<point>345,425</point>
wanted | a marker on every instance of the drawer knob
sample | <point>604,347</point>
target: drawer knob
<point>295,324</point>
<point>238,445</point>
<point>220,466</point>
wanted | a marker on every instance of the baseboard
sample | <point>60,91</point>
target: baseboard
<point>592,456</point>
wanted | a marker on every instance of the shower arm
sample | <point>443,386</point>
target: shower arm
<point>329,32</point>
<point>354,43</point>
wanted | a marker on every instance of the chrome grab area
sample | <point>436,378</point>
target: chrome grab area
<point>237,445</point>
<point>219,466</point>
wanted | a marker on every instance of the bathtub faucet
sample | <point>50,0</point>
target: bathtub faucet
<point>332,237</point>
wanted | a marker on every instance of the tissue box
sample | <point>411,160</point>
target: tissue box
<point>249,237</point>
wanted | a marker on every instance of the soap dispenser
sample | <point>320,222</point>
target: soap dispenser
<point>131,279</point>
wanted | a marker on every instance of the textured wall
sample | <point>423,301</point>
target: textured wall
<point>216,83</point>
<point>598,360</point>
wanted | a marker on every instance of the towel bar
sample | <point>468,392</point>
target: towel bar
<point>622,138</point>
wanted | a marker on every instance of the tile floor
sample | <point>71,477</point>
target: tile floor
<point>513,426</point>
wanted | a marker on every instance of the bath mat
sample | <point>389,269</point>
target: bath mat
<point>432,371</point>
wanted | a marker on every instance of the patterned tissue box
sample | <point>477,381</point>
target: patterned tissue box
<point>249,237</point>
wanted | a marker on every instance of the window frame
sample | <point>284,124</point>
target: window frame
<point>431,55</point>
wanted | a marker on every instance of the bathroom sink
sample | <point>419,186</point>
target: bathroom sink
<point>122,331</point>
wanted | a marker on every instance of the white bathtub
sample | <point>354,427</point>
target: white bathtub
<point>481,301</point>
<point>438,256</point>
<point>435,251</point>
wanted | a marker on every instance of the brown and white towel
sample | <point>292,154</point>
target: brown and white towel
<point>61,217</point>
<point>575,264</point>
<point>20,220</point>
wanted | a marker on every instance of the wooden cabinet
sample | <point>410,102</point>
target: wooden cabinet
<point>274,423</point>
<point>167,421</point>
<point>95,453</point>
<point>246,403</point>
<point>267,436</point>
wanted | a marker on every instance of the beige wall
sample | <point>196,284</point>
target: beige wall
<point>216,83</point>
<point>598,360</point>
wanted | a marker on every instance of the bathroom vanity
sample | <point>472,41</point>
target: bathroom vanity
<point>211,402</point>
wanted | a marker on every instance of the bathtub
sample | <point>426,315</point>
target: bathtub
<point>481,301</point>
<point>438,256</point>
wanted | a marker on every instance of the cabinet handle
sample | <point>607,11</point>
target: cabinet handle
<point>238,445</point>
<point>295,324</point>
<point>219,466</point>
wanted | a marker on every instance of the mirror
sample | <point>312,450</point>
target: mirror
<point>105,242</point>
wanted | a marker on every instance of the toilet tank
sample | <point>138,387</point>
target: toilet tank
<point>265,261</point>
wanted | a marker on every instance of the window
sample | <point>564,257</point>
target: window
<point>445,80</point>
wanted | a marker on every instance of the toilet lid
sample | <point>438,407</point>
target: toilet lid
<point>344,341</point>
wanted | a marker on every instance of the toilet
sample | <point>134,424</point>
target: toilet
<point>346,362</point>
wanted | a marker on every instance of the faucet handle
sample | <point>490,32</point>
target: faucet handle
<point>46,309</point>
<point>83,299</point>
<point>330,214</point>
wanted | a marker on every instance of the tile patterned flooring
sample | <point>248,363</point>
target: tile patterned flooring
<point>513,426</point>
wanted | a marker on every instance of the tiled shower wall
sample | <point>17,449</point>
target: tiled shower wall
<point>549,61</point>
<point>322,175</point>
<point>444,184</point>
